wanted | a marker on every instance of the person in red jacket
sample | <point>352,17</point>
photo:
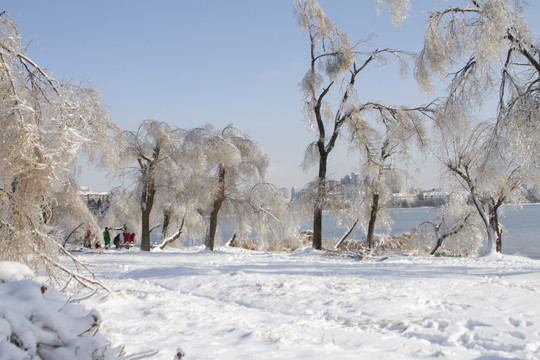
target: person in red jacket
<point>126,234</point>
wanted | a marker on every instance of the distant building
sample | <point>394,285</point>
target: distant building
<point>433,194</point>
<point>353,178</point>
<point>87,194</point>
<point>97,202</point>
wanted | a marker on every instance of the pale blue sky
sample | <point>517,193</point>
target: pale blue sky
<point>220,62</point>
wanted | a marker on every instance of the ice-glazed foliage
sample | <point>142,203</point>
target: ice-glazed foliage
<point>331,51</point>
<point>334,67</point>
<point>160,172</point>
<point>480,163</point>
<point>181,176</point>
<point>488,48</point>
<point>332,56</point>
<point>398,8</point>
<point>456,231</point>
<point>229,182</point>
<point>478,30</point>
<point>387,138</point>
<point>244,161</point>
<point>45,124</point>
<point>124,208</point>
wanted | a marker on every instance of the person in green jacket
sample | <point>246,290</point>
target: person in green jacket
<point>107,238</point>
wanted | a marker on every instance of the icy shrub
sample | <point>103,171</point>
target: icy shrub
<point>456,231</point>
<point>402,244</point>
<point>307,237</point>
<point>243,243</point>
<point>39,322</point>
<point>285,245</point>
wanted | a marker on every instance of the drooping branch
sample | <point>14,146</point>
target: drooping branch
<point>71,233</point>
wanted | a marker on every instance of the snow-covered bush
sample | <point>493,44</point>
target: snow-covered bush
<point>39,322</point>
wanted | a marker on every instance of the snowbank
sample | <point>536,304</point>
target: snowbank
<point>37,321</point>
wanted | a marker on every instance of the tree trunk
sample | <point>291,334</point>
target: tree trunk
<point>491,234</point>
<point>147,202</point>
<point>166,220</point>
<point>494,223</point>
<point>218,201</point>
<point>319,200</point>
<point>372,219</point>
<point>317,229</point>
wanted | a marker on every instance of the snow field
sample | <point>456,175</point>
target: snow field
<point>238,304</point>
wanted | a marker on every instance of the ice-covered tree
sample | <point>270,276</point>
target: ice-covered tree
<point>493,60</point>
<point>391,135</point>
<point>156,149</point>
<point>335,64</point>
<point>230,181</point>
<point>45,124</point>
<point>480,163</point>
<point>180,202</point>
<point>454,231</point>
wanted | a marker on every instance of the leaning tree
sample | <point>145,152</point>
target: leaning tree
<point>45,124</point>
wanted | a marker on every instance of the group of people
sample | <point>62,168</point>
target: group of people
<point>128,238</point>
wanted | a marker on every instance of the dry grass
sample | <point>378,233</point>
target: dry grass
<point>402,244</point>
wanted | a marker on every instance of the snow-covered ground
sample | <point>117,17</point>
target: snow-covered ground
<point>238,304</point>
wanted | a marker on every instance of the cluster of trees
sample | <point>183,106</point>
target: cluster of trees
<point>479,48</point>
<point>187,181</point>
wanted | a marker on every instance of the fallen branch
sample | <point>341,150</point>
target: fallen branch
<point>170,239</point>
<point>141,355</point>
<point>393,325</point>
<point>81,279</point>
<point>346,234</point>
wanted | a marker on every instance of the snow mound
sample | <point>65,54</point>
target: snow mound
<point>39,322</point>
<point>11,271</point>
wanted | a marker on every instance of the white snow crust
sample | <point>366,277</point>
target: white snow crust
<point>239,304</point>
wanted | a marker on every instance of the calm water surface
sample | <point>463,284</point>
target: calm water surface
<point>521,233</point>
